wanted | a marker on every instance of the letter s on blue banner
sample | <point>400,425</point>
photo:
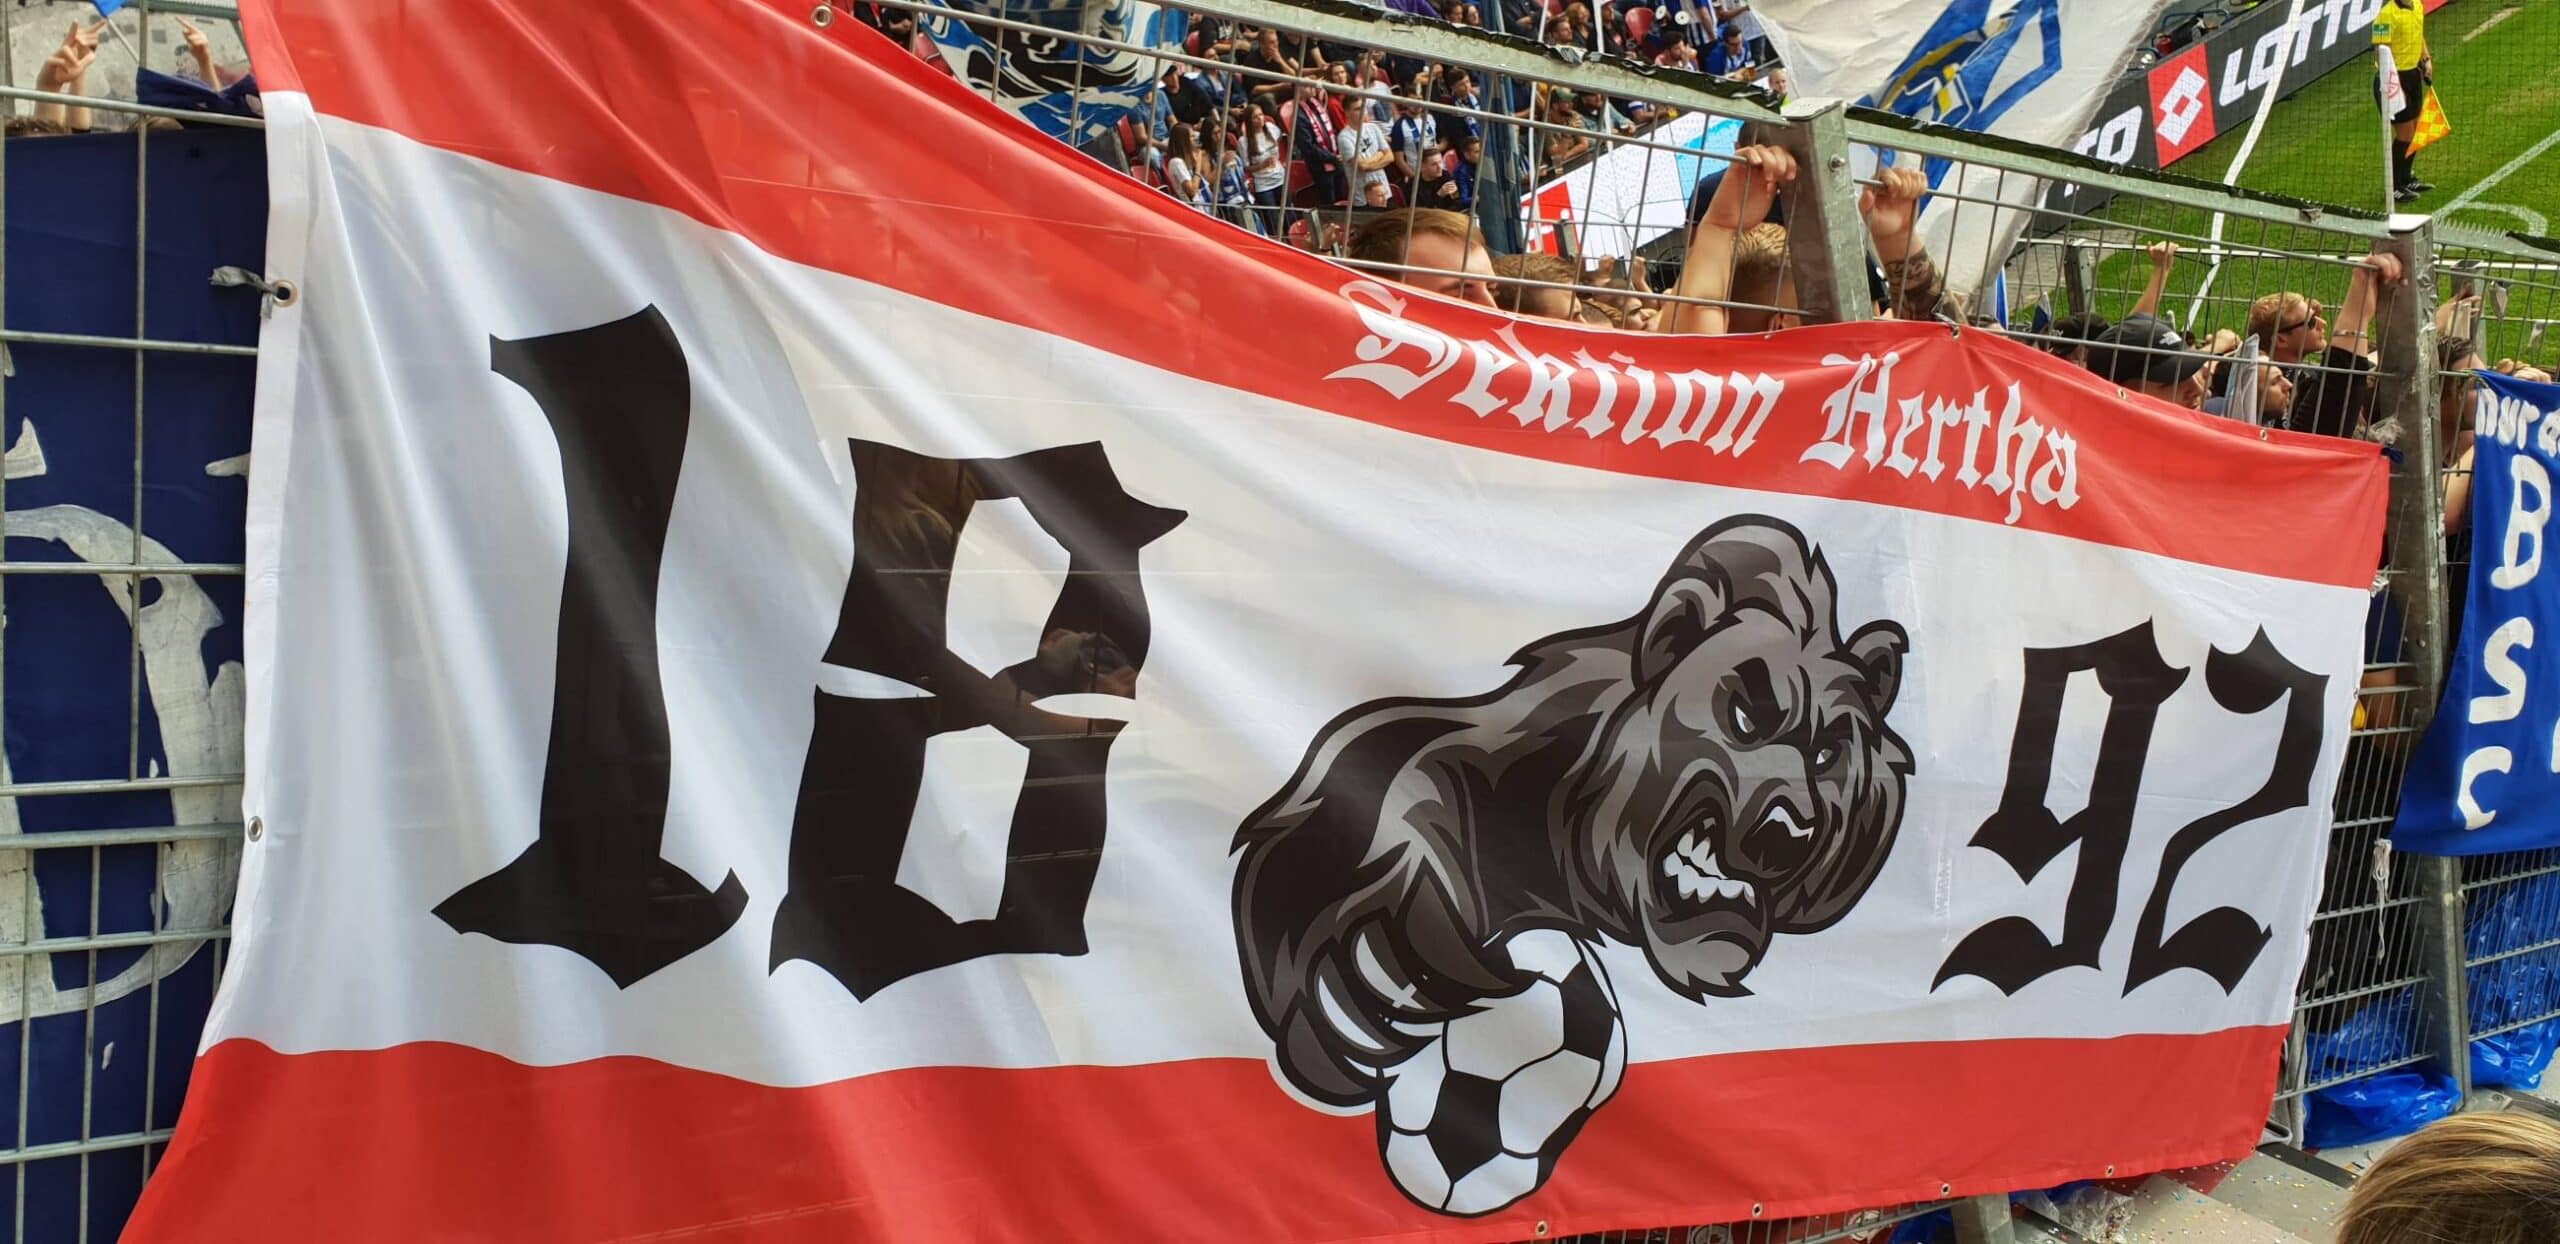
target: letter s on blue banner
<point>2487,777</point>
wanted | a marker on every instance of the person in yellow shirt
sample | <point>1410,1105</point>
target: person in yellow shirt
<point>2402,27</point>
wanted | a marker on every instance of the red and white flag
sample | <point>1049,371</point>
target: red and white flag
<point>822,667</point>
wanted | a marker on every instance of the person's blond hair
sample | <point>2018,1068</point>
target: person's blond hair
<point>1383,238</point>
<point>2488,1178</point>
<point>1760,264</point>
<point>1533,266</point>
<point>2270,312</point>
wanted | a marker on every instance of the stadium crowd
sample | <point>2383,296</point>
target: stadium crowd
<point>1378,159</point>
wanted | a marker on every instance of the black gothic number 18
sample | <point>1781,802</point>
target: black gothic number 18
<point>619,400</point>
<point>2011,951</point>
<point>846,911</point>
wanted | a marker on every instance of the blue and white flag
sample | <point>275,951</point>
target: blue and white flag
<point>2028,69</point>
<point>2487,776</point>
<point>1069,88</point>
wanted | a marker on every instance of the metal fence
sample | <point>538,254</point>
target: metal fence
<point>1588,171</point>
<point>1873,1226</point>
<point>116,872</point>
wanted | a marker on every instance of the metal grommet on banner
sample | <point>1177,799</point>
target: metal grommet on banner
<point>1757,1209</point>
<point>823,16</point>
<point>1541,1229</point>
<point>274,294</point>
<point>1946,1189</point>
<point>2111,1170</point>
<point>257,828</point>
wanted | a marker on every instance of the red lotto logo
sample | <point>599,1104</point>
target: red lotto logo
<point>2181,115</point>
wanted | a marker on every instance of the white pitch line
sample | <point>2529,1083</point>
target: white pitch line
<point>2487,183</point>
<point>2535,222</point>
<point>2484,27</point>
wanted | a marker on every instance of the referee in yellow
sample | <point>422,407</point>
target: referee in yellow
<point>2402,27</point>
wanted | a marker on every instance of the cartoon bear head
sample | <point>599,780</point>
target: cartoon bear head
<point>1750,785</point>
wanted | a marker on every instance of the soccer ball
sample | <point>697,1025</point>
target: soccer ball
<point>1476,1118</point>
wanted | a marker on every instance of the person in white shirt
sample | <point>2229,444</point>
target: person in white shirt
<point>1183,173</point>
<point>1267,160</point>
<point>1365,152</point>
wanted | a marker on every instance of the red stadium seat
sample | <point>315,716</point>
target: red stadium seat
<point>1640,27</point>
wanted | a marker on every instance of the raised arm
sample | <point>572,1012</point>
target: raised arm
<point>2375,272</point>
<point>2164,255</point>
<point>1892,210</point>
<point>1742,202</point>
<point>66,72</point>
<point>201,49</point>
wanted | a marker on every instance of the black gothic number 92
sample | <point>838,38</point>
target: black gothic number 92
<point>2012,952</point>
<point>618,399</point>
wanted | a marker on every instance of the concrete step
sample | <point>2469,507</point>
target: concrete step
<point>2278,1195</point>
<point>2274,1197</point>
<point>2167,1210</point>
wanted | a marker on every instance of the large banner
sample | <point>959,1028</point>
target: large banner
<point>2027,69</point>
<point>873,680</point>
<point>2487,776</point>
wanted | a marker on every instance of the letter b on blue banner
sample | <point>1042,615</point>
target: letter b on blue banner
<point>2487,776</point>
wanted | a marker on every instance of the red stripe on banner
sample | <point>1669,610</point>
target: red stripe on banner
<point>836,149</point>
<point>436,1141</point>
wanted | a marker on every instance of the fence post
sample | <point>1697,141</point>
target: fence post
<point>1985,1220</point>
<point>2079,278</point>
<point>1826,238</point>
<point>2409,392</point>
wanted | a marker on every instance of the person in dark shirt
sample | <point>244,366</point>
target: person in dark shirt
<point>1439,187</point>
<point>2331,366</point>
<point>1266,56</point>
<point>1190,94</point>
<point>1462,168</point>
<point>1315,135</point>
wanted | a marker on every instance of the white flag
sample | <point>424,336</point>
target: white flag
<point>2027,69</point>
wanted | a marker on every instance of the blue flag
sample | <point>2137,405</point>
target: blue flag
<point>108,8</point>
<point>2487,776</point>
<point>1071,90</point>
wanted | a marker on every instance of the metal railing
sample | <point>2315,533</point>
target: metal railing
<point>87,1129</point>
<point>2399,951</point>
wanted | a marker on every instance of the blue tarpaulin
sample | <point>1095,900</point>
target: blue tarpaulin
<point>72,493</point>
<point>2514,979</point>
